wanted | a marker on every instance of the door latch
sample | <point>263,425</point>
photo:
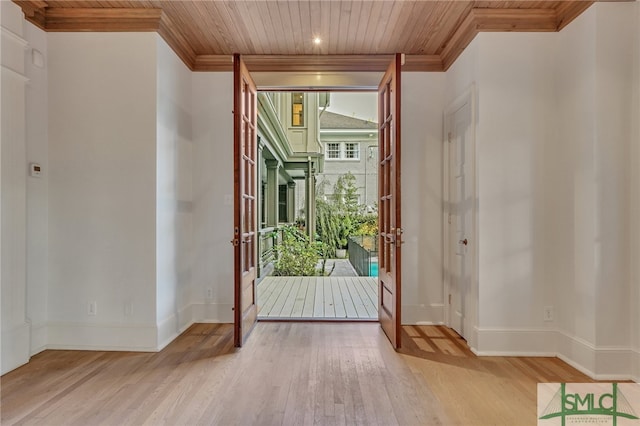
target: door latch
<point>399,232</point>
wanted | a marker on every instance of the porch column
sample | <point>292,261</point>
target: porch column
<point>291,202</point>
<point>271,199</point>
<point>310,200</point>
<point>259,188</point>
<point>261,247</point>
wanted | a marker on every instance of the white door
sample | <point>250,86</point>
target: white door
<point>461,199</point>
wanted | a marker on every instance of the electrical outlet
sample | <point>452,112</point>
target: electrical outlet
<point>548,313</point>
<point>92,308</point>
<point>209,293</point>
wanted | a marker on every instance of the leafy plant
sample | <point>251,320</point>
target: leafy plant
<point>340,216</point>
<point>296,255</point>
<point>367,225</point>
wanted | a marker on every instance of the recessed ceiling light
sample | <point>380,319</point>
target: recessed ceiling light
<point>317,40</point>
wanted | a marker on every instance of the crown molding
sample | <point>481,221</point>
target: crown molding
<point>509,20</point>
<point>143,19</point>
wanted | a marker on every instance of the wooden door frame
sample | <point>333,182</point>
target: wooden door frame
<point>471,316</point>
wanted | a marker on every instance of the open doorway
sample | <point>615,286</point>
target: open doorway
<point>318,205</point>
<point>247,197</point>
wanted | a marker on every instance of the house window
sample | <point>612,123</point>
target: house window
<point>333,151</point>
<point>282,204</point>
<point>297,109</point>
<point>351,151</point>
<point>342,151</point>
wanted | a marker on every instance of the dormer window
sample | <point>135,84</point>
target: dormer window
<point>297,109</point>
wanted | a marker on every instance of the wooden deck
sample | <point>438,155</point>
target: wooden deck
<point>332,298</point>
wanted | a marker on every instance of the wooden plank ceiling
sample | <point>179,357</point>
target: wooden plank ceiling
<point>277,35</point>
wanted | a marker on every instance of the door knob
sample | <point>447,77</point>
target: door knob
<point>464,242</point>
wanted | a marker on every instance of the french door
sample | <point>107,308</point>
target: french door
<point>389,213</point>
<point>245,200</point>
<point>245,183</point>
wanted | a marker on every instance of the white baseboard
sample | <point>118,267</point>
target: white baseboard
<point>39,338</point>
<point>102,337</point>
<point>170,328</point>
<point>423,314</point>
<point>212,312</point>
<point>599,363</point>
<point>15,347</point>
<point>635,363</point>
<point>514,342</point>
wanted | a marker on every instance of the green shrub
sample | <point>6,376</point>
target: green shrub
<point>367,225</point>
<point>296,256</point>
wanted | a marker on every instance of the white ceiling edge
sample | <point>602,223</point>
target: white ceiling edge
<point>291,81</point>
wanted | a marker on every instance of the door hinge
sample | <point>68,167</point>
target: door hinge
<point>449,218</point>
<point>449,137</point>
<point>449,299</point>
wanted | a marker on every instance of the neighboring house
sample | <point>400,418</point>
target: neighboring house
<point>290,156</point>
<point>350,145</point>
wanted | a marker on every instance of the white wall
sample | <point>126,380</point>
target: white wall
<point>635,202</point>
<point>174,226</point>
<point>37,188</point>
<point>212,196</point>
<point>555,123</point>
<point>571,182</point>
<point>102,190</point>
<point>595,74</point>
<point>422,104</point>
<point>617,28</point>
<point>13,179</point>
<point>515,104</point>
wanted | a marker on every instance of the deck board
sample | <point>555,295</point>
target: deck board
<point>309,301</point>
<point>318,297</point>
<point>350,308</point>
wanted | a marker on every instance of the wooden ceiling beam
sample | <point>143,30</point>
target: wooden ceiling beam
<point>172,30</point>
<point>213,63</point>
<point>505,20</point>
<point>171,33</point>
<point>34,11</point>
<point>317,63</point>
<point>103,19</point>
<point>431,63</point>
<point>570,10</point>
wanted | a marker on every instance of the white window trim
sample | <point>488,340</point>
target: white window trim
<point>342,152</point>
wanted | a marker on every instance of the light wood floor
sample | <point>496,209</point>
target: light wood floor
<point>318,297</point>
<point>287,374</point>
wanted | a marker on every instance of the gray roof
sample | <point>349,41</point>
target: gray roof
<point>331,120</point>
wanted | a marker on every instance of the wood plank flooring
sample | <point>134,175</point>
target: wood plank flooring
<point>287,374</point>
<point>327,298</point>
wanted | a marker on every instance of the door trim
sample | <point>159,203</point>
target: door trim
<point>471,313</point>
